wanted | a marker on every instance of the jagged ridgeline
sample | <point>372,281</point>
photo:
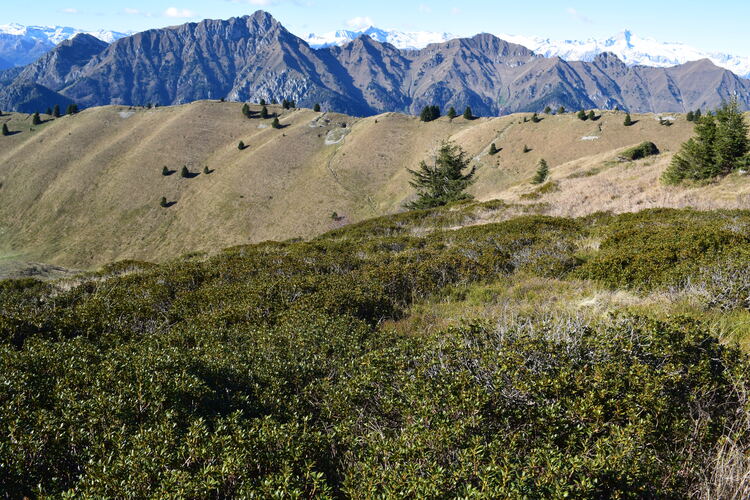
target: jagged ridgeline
<point>255,57</point>
<point>338,368</point>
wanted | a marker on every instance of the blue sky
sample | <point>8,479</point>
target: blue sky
<point>720,25</point>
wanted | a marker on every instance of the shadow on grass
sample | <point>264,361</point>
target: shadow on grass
<point>169,204</point>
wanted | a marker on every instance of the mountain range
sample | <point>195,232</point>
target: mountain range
<point>254,57</point>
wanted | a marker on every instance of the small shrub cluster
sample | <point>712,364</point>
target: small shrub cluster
<point>643,150</point>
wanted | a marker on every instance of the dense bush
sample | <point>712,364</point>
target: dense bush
<point>643,150</point>
<point>267,371</point>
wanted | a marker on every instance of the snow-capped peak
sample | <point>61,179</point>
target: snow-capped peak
<point>400,39</point>
<point>56,34</point>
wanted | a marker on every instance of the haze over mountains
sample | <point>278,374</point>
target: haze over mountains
<point>255,57</point>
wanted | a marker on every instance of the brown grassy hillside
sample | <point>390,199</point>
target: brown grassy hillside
<point>84,190</point>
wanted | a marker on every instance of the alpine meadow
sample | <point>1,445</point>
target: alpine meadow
<point>239,263</point>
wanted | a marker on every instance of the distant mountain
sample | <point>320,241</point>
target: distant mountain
<point>21,45</point>
<point>399,39</point>
<point>255,57</point>
<point>630,48</point>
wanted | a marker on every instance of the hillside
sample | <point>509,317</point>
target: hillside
<point>84,190</point>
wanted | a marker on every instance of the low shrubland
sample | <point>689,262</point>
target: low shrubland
<point>312,369</point>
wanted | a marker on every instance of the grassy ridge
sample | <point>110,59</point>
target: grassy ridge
<point>323,369</point>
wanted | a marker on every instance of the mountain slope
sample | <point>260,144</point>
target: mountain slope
<point>85,189</point>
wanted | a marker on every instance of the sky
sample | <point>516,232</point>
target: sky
<point>718,25</point>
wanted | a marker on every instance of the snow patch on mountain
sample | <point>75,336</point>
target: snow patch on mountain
<point>630,48</point>
<point>56,34</point>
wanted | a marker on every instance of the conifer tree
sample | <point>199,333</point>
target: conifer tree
<point>35,120</point>
<point>72,109</point>
<point>49,111</point>
<point>184,172</point>
<point>425,114</point>
<point>547,110</point>
<point>275,124</point>
<point>316,108</point>
<point>284,104</point>
<point>56,111</point>
<point>264,113</point>
<point>292,104</point>
<point>690,116</point>
<point>582,115</point>
<point>5,129</point>
<point>542,172</point>
<point>444,181</point>
<point>592,115</point>
<point>535,118</point>
<point>246,110</point>
<point>163,202</point>
<point>526,149</point>
<point>561,110</point>
<point>468,115</point>
<point>628,120</point>
<point>165,171</point>
<point>241,146</point>
<point>493,149</point>
<point>452,113</point>
<point>262,102</point>
<point>697,115</point>
<point>206,171</point>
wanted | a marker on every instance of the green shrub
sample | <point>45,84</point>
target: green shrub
<point>643,150</point>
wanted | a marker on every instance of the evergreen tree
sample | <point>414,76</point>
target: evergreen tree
<point>582,115</point>
<point>535,118</point>
<point>452,113</point>
<point>56,111</point>
<point>316,108</point>
<point>561,110</point>
<point>284,104</point>
<point>275,124</point>
<point>163,202</point>
<point>697,115</point>
<point>468,114</point>
<point>246,110</point>
<point>425,114</point>
<point>592,115</point>
<point>5,129</point>
<point>292,104</point>
<point>443,182</point>
<point>72,109</point>
<point>262,102</point>
<point>35,120</point>
<point>547,110</point>
<point>206,171</point>
<point>241,146</point>
<point>628,120</point>
<point>165,171</point>
<point>184,172</point>
<point>49,111</point>
<point>526,149</point>
<point>720,145</point>
<point>264,113</point>
<point>690,116</point>
<point>493,149</point>
<point>542,172</point>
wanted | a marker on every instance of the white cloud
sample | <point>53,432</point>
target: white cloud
<point>455,11</point>
<point>71,10</point>
<point>176,13</point>
<point>360,22</point>
<point>424,8</point>
<point>577,15</point>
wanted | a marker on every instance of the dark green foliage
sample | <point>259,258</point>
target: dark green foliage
<point>697,115</point>
<point>542,172</point>
<point>36,120</point>
<point>49,111</point>
<point>241,145</point>
<point>690,116</point>
<point>628,120</point>
<point>185,172</point>
<point>526,149</point>
<point>264,113</point>
<point>275,124</point>
<point>468,114</point>
<point>5,129</point>
<point>72,109</point>
<point>452,113</point>
<point>286,104</point>
<point>163,202</point>
<point>262,102</point>
<point>547,110</point>
<point>582,115</point>
<point>720,146</point>
<point>444,182</point>
<point>592,115</point>
<point>206,170</point>
<point>56,111</point>
<point>165,171</point>
<point>246,110</point>
<point>430,113</point>
<point>561,110</point>
<point>535,118</point>
<point>642,150</point>
<point>316,108</point>
<point>493,149</point>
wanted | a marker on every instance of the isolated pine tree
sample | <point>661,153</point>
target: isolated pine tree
<point>468,114</point>
<point>547,110</point>
<point>582,115</point>
<point>56,111</point>
<point>262,102</point>
<point>72,109</point>
<point>452,113</point>
<point>628,120</point>
<point>275,124</point>
<point>535,118</point>
<point>165,171</point>
<point>542,172</point>
<point>284,104</point>
<point>246,110</point>
<point>425,114</point>
<point>526,149</point>
<point>493,149</point>
<point>184,172</point>
<point>443,182</point>
<point>5,129</point>
<point>163,202</point>
<point>35,120</point>
<point>241,146</point>
<point>592,115</point>
<point>264,113</point>
<point>697,115</point>
<point>561,110</point>
<point>316,108</point>
<point>690,116</point>
<point>206,170</point>
<point>49,111</point>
